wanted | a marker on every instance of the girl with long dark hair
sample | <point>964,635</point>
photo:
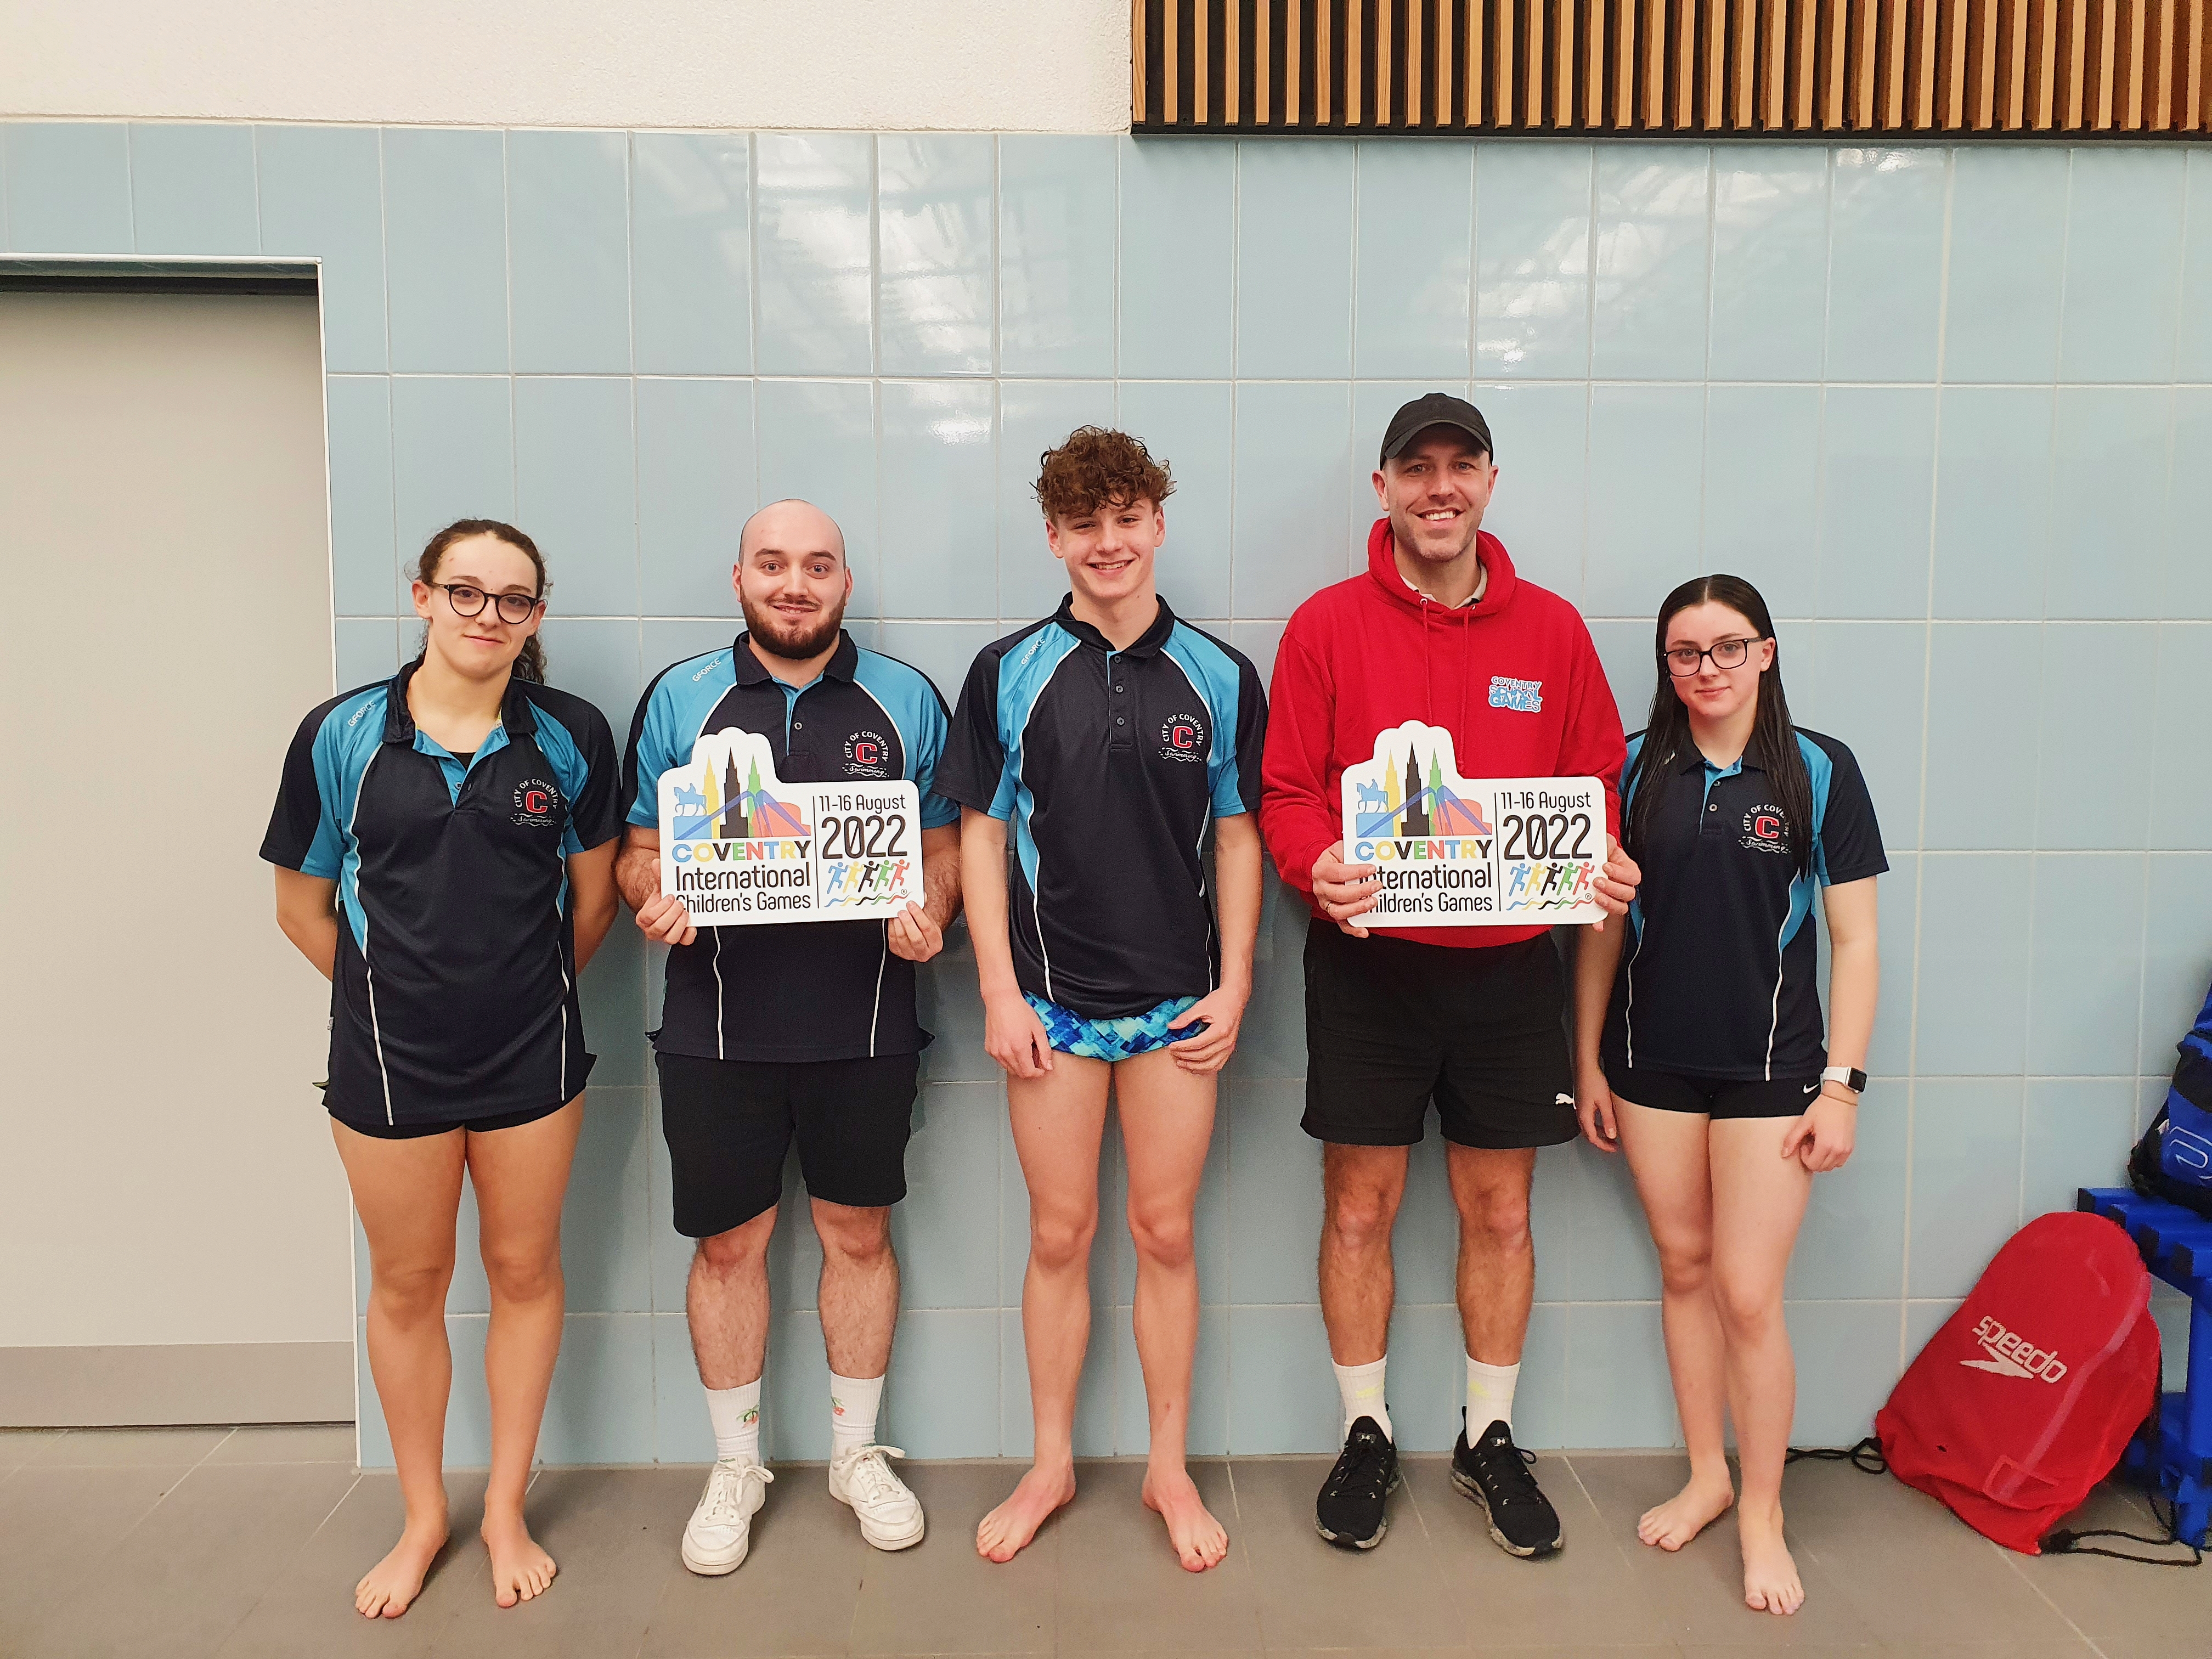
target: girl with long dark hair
<point>444,844</point>
<point>1698,1043</point>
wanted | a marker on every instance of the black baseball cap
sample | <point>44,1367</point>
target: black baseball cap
<point>1434,409</point>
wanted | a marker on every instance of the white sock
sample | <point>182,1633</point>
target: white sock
<point>1360,1387</point>
<point>853,1402</point>
<point>1489,1395</point>
<point>735,1413</point>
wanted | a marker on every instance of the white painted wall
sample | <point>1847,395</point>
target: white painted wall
<point>882,65</point>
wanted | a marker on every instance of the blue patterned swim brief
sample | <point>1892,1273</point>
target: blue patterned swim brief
<point>1113,1039</point>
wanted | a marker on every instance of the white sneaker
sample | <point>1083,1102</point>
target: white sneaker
<point>890,1515</point>
<point>721,1529</point>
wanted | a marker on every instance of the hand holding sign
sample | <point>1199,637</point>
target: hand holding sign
<point>739,845</point>
<point>1454,852</point>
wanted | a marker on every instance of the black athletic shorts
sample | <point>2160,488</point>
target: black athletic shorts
<point>377,1129</point>
<point>1392,1024</point>
<point>730,1122</point>
<point>1716,1096</point>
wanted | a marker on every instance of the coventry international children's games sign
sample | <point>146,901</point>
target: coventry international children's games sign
<point>1455,852</point>
<point>737,845</point>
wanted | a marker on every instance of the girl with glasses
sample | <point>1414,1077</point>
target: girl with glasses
<point>1699,1042</point>
<point>444,844</point>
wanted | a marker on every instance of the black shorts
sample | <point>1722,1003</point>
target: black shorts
<point>1393,1022</point>
<point>377,1129</point>
<point>1716,1096</point>
<point>730,1122</point>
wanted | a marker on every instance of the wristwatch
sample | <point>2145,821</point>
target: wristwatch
<point>1849,1076</point>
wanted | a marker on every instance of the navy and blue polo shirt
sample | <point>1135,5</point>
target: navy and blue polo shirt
<point>1718,979</point>
<point>1111,765</point>
<point>455,990</point>
<point>801,990</point>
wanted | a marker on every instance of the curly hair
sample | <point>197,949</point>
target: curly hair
<point>1098,467</point>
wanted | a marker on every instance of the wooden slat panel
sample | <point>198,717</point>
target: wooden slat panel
<point>1563,64</point>
<point>1324,73</point>
<point>1380,47</point>
<point>1595,39</point>
<point>1137,100</point>
<point>1779,67</point>
<point>1508,106</point>
<point>1534,101</point>
<point>2195,105</point>
<point>1440,97</point>
<point>1263,63</point>
<point>1478,104</point>
<point>1232,61</point>
<point>1200,58</point>
<point>1355,63</point>
<point>1172,51</point>
<point>2159,116</point>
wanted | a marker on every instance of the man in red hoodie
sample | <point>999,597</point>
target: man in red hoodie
<point>1439,630</point>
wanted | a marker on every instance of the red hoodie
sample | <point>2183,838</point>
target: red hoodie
<point>1370,653</point>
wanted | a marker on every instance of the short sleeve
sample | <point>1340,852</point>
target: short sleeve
<point>971,771</point>
<point>595,810</point>
<point>1847,843</point>
<point>1237,779</point>
<point>303,827</point>
<point>931,724</point>
<point>651,753</point>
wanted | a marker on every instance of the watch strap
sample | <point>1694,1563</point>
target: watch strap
<point>1849,1076</point>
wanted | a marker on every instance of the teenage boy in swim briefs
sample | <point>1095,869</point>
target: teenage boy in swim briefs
<point>1103,742</point>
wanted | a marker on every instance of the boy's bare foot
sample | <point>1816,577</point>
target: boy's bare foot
<point>520,1568</point>
<point>1006,1532</point>
<point>1670,1525</point>
<point>1200,1540</point>
<point>1770,1573</point>
<point>386,1588</point>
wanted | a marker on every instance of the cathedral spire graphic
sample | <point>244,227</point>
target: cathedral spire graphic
<point>1416,821</point>
<point>734,827</point>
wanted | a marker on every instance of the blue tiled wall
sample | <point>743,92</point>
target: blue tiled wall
<point>1949,408</point>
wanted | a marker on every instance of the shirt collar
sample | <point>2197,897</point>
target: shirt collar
<point>748,669</point>
<point>1693,759</point>
<point>516,712</point>
<point>1145,645</point>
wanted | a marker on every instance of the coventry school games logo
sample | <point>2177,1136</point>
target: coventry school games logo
<point>1455,852</point>
<point>739,845</point>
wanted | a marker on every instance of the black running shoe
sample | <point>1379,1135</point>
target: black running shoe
<point>1350,1511</point>
<point>1495,1474</point>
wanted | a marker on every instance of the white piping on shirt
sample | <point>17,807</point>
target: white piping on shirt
<point>376,1030</point>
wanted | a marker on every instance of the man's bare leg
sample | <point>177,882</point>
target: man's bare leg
<point>1167,1124</point>
<point>1361,1189</point>
<point>1057,1119</point>
<point>726,1301</point>
<point>407,1194</point>
<point>859,1293</point>
<point>1497,1281</point>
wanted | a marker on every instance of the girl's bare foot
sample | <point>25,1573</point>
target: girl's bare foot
<point>1770,1573</point>
<point>386,1588</point>
<point>1006,1532</point>
<point>1670,1525</point>
<point>1200,1540</point>
<point>520,1568</point>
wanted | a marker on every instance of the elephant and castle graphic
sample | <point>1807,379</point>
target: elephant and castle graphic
<point>739,844</point>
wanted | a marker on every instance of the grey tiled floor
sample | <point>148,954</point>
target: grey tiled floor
<point>183,1542</point>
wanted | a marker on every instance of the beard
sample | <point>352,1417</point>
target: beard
<point>772,634</point>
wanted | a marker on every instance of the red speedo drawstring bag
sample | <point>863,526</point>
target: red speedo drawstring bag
<point>2027,1396</point>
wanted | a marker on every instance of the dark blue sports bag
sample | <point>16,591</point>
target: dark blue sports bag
<point>2173,1160</point>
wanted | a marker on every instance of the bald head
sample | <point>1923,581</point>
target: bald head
<point>794,528</point>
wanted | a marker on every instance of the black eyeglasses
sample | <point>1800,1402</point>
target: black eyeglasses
<point>1684,661</point>
<point>470,602</point>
